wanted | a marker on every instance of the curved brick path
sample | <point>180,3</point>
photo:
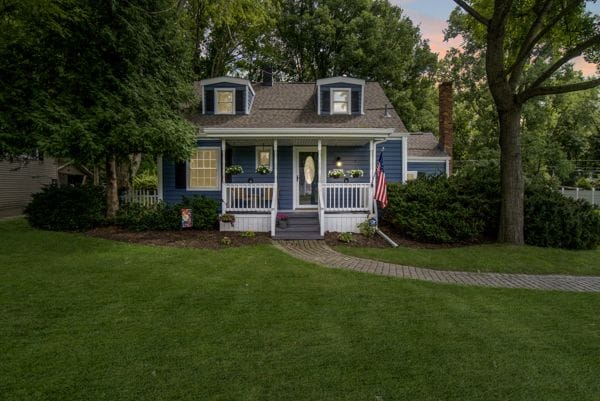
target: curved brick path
<point>318,252</point>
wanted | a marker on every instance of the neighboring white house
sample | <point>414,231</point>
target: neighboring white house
<point>19,180</point>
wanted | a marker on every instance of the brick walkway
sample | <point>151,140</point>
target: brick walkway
<point>318,252</point>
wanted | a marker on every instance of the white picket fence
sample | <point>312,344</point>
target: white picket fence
<point>146,197</point>
<point>592,196</point>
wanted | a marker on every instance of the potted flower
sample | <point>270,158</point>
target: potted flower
<point>227,218</point>
<point>282,220</point>
<point>234,170</point>
<point>263,169</point>
<point>336,173</point>
<point>355,173</point>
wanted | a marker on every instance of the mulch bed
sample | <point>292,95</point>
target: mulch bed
<point>179,239</point>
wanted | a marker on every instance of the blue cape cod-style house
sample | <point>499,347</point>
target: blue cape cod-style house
<point>299,136</point>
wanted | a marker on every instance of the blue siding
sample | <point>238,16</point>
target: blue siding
<point>429,168</point>
<point>245,156</point>
<point>325,99</point>
<point>392,160</point>
<point>285,159</point>
<point>174,195</point>
<point>226,85</point>
<point>352,157</point>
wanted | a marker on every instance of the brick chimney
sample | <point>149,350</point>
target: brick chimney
<point>267,76</point>
<point>445,104</point>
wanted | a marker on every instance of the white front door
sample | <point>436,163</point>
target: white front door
<point>308,172</point>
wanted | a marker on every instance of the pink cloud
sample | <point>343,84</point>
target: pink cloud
<point>433,29</point>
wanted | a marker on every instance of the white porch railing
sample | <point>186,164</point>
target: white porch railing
<point>321,211</point>
<point>146,197</point>
<point>346,197</point>
<point>249,197</point>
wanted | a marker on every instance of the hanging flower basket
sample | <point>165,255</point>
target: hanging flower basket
<point>336,173</point>
<point>234,170</point>
<point>262,169</point>
<point>355,173</point>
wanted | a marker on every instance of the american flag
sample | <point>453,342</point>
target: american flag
<point>380,189</point>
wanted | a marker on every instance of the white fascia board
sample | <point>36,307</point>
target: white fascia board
<point>231,80</point>
<point>399,135</point>
<point>423,159</point>
<point>346,80</point>
<point>308,132</point>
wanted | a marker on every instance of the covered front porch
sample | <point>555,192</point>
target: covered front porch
<point>298,184</point>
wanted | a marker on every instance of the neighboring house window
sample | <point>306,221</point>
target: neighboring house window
<point>264,156</point>
<point>340,101</point>
<point>411,175</point>
<point>204,169</point>
<point>224,101</point>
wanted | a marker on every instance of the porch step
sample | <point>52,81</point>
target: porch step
<point>301,225</point>
<point>286,234</point>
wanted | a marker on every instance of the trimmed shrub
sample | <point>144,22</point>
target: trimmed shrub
<point>159,217</point>
<point>553,220</point>
<point>163,216</point>
<point>466,207</point>
<point>429,210</point>
<point>67,208</point>
<point>205,211</point>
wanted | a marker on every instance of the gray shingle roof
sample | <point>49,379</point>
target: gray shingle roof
<point>424,144</point>
<point>293,105</point>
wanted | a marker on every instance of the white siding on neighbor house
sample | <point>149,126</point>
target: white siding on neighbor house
<point>18,181</point>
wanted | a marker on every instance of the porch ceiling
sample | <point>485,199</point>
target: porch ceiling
<point>299,141</point>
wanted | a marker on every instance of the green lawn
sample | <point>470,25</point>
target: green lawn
<point>89,319</point>
<point>488,258</point>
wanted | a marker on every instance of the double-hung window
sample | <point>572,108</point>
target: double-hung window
<point>340,101</point>
<point>224,100</point>
<point>203,169</point>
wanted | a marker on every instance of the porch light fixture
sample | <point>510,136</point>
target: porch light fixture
<point>338,162</point>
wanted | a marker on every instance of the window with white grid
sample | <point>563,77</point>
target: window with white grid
<point>204,169</point>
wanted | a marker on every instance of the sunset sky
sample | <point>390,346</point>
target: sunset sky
<point>431,15</point>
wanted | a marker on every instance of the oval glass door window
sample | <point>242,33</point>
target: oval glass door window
<point>309,170</point>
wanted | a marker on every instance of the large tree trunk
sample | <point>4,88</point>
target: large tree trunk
<point>112,190</point>
<point>511,170</point>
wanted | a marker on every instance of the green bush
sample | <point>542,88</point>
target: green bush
<point>147,180</point>
<point>205,211</point>
<point>159,217</point>
<point>553,220</point>
<point>466,207</point>
<point>163,216</point>
<point>67,207</point>
<point>429,209</point>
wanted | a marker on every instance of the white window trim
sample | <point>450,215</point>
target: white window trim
<point>257,154</point>
<point>217,90</point>
<point>189,188</point>
<point>331,91</point>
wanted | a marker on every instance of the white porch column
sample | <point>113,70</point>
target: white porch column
<point>223,189</point>
<point>319,148</point>
<point>275,160</point>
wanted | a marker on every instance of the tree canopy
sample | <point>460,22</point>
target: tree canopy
<point>527,46</point>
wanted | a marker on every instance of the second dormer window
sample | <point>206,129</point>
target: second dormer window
<point>340,101</point>
<point>224,100</point>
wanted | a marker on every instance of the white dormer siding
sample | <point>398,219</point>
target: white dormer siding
<point>340,96</point>
<point>240,89</point>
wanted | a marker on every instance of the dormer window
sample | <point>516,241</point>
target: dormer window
<point>340,101</point>
<point>224,101</point>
